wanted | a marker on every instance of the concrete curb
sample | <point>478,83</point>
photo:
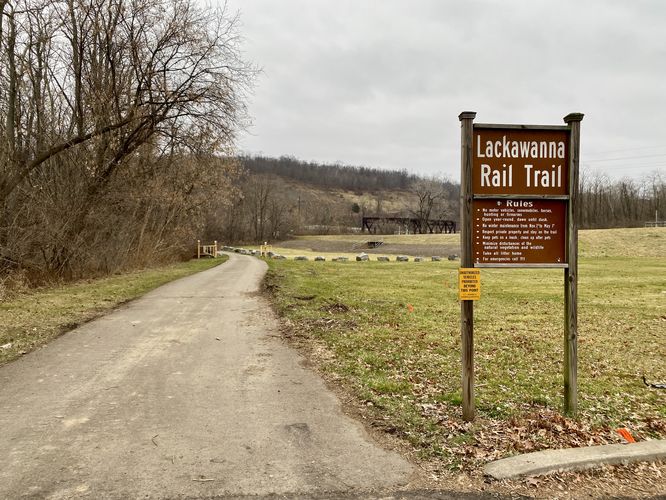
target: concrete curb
<point>549,461</point>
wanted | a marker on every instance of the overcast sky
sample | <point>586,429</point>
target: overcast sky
<point>381,83</point>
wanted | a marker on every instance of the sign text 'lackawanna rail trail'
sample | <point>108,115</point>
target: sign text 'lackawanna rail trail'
<point>520,162</point>
<point>520,149</point>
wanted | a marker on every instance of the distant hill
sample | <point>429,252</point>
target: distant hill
<point>281,197</point>
<point>331,176</point>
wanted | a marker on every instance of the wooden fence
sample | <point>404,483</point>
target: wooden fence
<point>206,250</point>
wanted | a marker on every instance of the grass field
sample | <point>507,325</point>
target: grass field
<point>35,317</point>
<point>390,332</point>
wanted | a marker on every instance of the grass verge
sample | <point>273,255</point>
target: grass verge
<point>390,333</point>
<point>33,318</point>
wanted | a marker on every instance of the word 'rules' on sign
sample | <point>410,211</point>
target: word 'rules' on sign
<point>469,284</point>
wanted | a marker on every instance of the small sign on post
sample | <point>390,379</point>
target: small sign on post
<point>519,199</point>
<point>469,284</point>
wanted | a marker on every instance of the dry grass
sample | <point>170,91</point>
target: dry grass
<point>632,242</point>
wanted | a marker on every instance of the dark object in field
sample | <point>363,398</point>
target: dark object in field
<point>304,297</point>
<point>336,307</point>
<point>655,386</point>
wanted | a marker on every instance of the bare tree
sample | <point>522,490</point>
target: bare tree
<point>432,202</point>
<point>620,203</point>
<point>131,73</point>
<point>101,95</point>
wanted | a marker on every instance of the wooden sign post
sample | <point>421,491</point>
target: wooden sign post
<point>466,306</point>
<point>519,205</point>
<point>571,272</point>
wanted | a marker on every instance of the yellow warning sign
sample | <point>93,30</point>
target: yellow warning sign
<point>469,283</point>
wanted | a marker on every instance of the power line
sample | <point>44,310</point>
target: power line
<point>627,166</point>
<point>643,148</point>
<point>625,158</point>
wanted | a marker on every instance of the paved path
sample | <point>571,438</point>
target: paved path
<point>186,392</point>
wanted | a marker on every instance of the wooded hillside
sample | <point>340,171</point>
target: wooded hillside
<point>327,176</point>
<point>280,197</point>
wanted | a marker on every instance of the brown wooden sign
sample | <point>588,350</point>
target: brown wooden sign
<point>518,232</point>
<point>515,161</point>
<point>520,187</point>
<point>519,197</point>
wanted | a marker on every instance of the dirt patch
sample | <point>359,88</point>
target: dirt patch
<point>341,246</point>
<point>304,297</point>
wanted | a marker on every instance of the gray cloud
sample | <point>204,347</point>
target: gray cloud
<point>381,83</point>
